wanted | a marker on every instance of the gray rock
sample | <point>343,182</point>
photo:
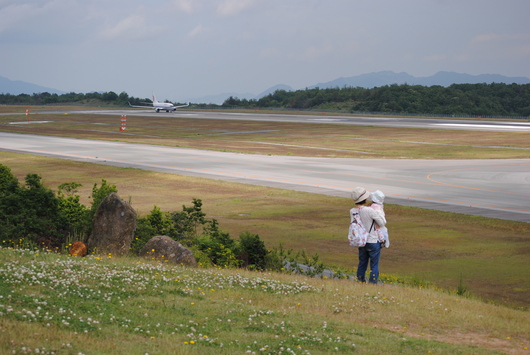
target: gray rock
<point>113,226</point>
<point>164,248</point>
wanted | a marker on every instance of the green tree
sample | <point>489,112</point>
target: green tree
<point>253,251</point>
<point>123,98</point>
<point>218,246</point>
<point>109,96</point>
<point>31,215</point>
<point>7,180</point>
<point>76,214</point>
<point>155,223</point>
<point>188,221</point>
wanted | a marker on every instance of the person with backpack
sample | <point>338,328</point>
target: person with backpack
<point>369,218</point>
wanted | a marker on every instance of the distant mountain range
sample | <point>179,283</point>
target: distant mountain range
<point>382,78</point>
<point>442,78</point>
<point>21,87</point>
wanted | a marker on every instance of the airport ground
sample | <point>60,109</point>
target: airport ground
<point>428,245</point>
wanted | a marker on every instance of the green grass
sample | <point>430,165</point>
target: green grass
<point>105,305</point>
<point>441,253</point>
<point>427,246</point>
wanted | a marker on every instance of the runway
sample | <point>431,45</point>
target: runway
<point>329,118</point>
<point>492,188</point>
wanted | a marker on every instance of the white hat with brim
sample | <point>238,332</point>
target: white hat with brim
<point>359,194</point>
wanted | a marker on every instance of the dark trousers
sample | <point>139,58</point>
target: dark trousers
<point>369,253</point>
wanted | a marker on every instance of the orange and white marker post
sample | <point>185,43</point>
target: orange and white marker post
<point>123,123</point>
<point>27,114</point>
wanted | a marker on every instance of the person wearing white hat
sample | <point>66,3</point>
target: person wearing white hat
<point>378,200</point>
<point>372,250</point>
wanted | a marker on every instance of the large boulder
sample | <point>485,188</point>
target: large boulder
<point>113,226</point>
<point>163,248</point>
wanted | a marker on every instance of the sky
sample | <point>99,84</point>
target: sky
<point>183,49</point>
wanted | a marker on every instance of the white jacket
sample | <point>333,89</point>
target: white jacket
<point>368,216</point>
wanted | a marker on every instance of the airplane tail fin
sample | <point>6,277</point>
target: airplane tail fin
<point>154,98</point>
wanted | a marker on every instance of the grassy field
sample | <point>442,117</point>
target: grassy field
<point>53,304</point>
<point>103,305</point>
<point>427,246</point>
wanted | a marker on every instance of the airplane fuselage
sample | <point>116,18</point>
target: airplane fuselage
<point>159,108</point>
<point>162,106</point>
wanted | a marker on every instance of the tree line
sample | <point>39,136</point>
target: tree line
<point>45,98</point>
<point>494,99</point>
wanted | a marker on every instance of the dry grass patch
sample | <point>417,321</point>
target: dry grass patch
<point>325,140</point>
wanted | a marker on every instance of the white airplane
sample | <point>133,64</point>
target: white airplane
<point>161,106</point>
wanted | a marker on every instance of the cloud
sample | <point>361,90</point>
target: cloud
<point>269,52</point>
<point>196,31</point>
<point>186,6</point>
<point>490,37</point>
<point>31,21</point>
<point>233,7</point>
<point>14,14</point>
<point>435,58</point>
<point>132,27</point>
<point>312,52</point>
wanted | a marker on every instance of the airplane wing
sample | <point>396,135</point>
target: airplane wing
<point>139,106</point>
<point>182,105</point>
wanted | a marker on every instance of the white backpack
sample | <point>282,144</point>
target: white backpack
<point>357,234</point>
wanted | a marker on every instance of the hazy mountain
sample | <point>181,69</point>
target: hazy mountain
<point>273,89</point>
<point>21,87</point>
<point>442,78</point>
<point>382,78</point>
<point>218,99</point>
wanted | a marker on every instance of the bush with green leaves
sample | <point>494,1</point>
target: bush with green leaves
<point>34,216</point>
<point>155,223</point>
<point>253,251</point>
<point>209,244</point>
<point>76,214</point>
<point>30,215</point>
<point>220,248</point>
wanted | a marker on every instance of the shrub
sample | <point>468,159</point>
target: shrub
<point>76,214</point>
<point>253,251</point>
<point>31,214</point>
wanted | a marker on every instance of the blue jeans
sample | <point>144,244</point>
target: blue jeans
<point>370,252</point>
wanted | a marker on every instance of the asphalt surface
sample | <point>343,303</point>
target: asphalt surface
<point>492,188</point>
<point>519,125</point>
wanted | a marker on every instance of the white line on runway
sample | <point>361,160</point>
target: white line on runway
<point>29,122</point>
<point>484,125</point>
